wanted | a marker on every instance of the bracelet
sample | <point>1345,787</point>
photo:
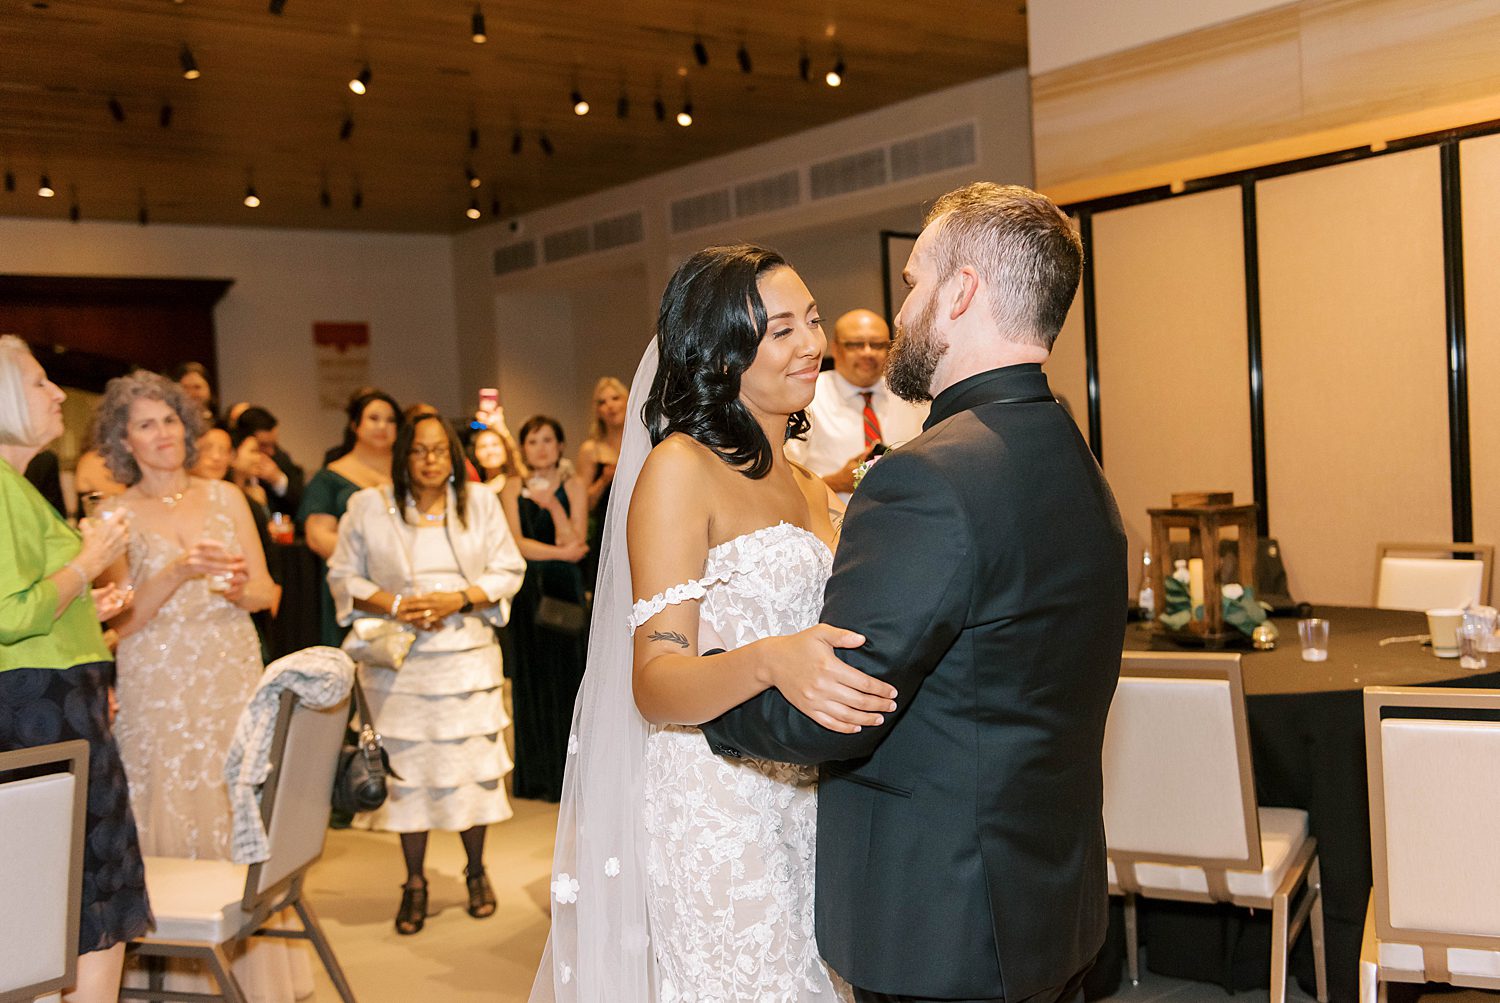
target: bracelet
<point>83,582</point>
<point>396,604</point>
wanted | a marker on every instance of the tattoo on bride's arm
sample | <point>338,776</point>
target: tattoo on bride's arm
<point>670,636</point>
<point>836,516</point>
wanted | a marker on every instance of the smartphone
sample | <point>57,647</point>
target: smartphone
<point>489,398</point>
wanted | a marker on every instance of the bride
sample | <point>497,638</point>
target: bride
<point>680,877</point>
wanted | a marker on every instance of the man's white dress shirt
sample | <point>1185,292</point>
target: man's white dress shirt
<point>838,423</point>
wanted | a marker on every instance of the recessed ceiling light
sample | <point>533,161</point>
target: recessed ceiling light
<point>44,188</point>
<point>476,26</point>
<point>580,106</point>
<point>188,63</point>
<point>252,200</point>
<point>835,76</point>
<point>473,211</point>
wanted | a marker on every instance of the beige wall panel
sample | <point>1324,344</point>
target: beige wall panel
<point>1480,164</point>
<point>1067,367</point>
<point>1354,350</point>
<point>1173,368</point>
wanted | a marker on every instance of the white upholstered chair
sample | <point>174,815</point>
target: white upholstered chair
<point>204,906</point>
<point>1180,817</point>
<point>1428,576</point>
<point>41,866</point>
<point>1433,758</point>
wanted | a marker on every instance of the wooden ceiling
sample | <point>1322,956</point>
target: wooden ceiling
<point>273,98</point>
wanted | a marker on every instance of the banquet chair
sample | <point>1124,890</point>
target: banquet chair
<point>204,908</point>
<point>42,812</point>
<point>1180,818</point>
<point>1433,761</point>
<point>1435,580</point>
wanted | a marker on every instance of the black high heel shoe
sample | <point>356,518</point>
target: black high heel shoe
<point>412,914</point>
<point>481,895</point>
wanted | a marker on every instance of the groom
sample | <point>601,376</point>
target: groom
<point>960,843</point>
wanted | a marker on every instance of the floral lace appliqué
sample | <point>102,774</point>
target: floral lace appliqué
<point>731,843</point>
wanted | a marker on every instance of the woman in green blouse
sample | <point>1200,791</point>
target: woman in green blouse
<point>374,420</point>
<point>55,668</point>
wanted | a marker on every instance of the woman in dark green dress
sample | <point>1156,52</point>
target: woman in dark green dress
<point>374,420</point>
<point>549,518</point>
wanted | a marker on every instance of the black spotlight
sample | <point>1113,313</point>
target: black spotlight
<point>188,63</point>
<point>143,217</point>
<point>515,144</point>
<point>476,26</point>
<point>325,198</point>
<point>10,181</point>
<point>347,129</point>
<point>276,7</point>
<point>545,144</point>
<point>165,118</point>
<point>744,57</point>
<point>700,52</point>
<point>473,138</point>
<point>73,212</point>
<point>804,67</point>
<point>659,107</point>
<point>359,199</point>
<point>116,109</point>
<point>622,106</point>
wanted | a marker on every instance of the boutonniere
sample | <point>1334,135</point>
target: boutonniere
<point>864,468</point>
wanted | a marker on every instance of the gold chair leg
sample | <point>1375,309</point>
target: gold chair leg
<point>1315,921</point>
<point>320,943</point>
<point>1132,941</point>
<point>229,987</point>
<point>1279,947</point>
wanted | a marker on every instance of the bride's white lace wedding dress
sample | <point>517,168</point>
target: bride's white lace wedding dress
<point>730,851</point>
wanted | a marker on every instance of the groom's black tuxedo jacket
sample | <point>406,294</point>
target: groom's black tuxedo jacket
<point>960,844</point>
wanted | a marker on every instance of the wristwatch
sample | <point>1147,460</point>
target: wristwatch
<point>468,606</point>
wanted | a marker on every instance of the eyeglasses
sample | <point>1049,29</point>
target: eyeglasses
<point>865,346</point>
<point>428,452</point>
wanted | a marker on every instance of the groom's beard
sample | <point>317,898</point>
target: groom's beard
<point>915,356</point>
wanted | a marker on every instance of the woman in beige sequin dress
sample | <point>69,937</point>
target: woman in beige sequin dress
<point>189,658</point>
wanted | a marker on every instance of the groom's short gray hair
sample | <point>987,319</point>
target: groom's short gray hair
<point>1027,252</point>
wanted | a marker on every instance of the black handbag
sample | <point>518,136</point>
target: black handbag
<point>360,781</point>
<point>561,616</point>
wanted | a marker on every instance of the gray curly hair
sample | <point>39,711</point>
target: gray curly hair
<point>113,417</point>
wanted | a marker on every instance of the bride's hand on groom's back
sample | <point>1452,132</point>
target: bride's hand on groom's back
<point>813,679</point>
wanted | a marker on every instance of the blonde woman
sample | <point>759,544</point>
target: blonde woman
<point>597,459</point>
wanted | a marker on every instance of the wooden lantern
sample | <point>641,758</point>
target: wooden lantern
<point>1205,516</point>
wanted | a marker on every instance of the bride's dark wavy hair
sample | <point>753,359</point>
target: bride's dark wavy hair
<point>708,330</point>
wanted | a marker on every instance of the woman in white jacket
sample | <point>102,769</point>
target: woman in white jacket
<point>434,551</point>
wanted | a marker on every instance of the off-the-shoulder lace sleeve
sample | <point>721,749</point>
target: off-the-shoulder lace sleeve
<point>645,609</point>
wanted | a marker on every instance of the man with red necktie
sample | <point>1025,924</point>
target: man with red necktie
<point>853,410</point>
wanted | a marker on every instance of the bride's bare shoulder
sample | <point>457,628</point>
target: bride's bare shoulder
<point>674,479</point>
<point>679,454</point>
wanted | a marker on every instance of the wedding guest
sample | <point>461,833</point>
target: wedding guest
<point>853,410</point>
<point>597,458</point>
<point>192,377</point>
<point>548,518</point>
<point>225,456</point>
<point>189,657</point>
<point>55,668</point>
<point>433,551</point>
<point>91,475</point>
<point>45,475</point>
<point>282,478</point>
<point>496,457</point>
<point>364,461</point>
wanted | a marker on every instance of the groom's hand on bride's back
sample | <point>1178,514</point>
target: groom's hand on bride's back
<point>808,673</point>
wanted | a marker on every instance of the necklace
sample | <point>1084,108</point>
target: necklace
<point>170,501</point>
<point>433,516</point>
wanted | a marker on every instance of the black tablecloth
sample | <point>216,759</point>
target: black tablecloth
<point>1307,743</point>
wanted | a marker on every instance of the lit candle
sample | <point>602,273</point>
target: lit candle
<point>1195,583</point>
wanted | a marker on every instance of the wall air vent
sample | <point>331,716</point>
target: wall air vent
<point>565,244</point>
<point>943,150</point>
<point>618,231</point>
<point>515,257</point>
<point>780,191</point>
<point>843,175</point>
<point>698,211</point>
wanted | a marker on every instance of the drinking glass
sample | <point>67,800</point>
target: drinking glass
<point>1314,636</point>
<point>1472,645</point>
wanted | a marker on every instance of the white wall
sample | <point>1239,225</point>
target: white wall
<point>1063,32</point>
<point>611,297</point>
<point>284,280</point>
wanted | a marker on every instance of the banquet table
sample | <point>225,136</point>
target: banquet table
<point>1307,743</point>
